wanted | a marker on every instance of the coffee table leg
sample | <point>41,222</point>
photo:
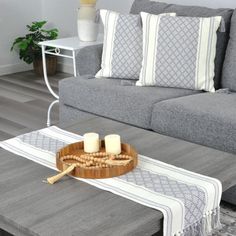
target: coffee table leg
<point>49,112</point>
<point>45,73</point>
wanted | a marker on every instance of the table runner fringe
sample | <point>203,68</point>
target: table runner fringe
<point>205,226</point>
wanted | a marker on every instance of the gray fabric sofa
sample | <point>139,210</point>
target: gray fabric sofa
<point>107,97</point>
<point>204,118</point>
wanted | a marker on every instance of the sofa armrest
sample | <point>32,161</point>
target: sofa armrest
<point>88,60</point>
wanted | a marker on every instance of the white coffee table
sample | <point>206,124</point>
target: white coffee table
<point>66,44</point>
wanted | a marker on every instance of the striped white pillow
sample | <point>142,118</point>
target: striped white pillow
<point>123,43</point>
<point>179,51</point>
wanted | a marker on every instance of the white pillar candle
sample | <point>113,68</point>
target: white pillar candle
<point>113,144</point>
<point>91,142</point>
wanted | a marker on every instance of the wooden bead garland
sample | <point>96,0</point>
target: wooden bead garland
<point>98,160</point>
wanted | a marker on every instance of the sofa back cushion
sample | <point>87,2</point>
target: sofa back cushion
<point>193,11</point>
<point>229,69</point>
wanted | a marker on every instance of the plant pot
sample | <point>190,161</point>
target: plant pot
<point>51,62</point>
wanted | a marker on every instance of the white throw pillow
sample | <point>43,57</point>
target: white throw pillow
<point>179,51</point>
<point>123,44</point>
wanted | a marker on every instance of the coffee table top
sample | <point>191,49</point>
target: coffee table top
<point>71,207</point>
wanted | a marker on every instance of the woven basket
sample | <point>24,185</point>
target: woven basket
<point>51,62</point>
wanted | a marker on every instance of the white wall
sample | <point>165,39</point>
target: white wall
<point>61,14</point>
<point>117,5</point>
<point>14,15</point>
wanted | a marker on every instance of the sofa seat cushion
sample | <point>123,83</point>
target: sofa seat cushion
<point>207,119</point>
<point>108,98</point>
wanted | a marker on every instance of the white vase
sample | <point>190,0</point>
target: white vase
<point>87,25</point>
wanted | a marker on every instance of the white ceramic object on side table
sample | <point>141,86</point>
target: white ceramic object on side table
<point>87,26</point>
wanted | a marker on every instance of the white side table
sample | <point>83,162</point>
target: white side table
<point>68,44</point>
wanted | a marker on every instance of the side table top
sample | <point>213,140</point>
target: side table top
<point>72,43</point>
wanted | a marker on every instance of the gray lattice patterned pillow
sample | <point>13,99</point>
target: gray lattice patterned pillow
<point>179,51</point>
<point>122,49</point>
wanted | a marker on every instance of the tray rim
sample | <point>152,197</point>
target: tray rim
<point>100,173</point>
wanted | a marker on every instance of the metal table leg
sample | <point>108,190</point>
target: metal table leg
<point>49,112</point>
<point>45,73</point>
<point>74,63</point>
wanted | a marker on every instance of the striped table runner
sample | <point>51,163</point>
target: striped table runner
<point>189,201</point>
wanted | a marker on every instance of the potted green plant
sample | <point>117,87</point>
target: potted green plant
<point>29,50</point>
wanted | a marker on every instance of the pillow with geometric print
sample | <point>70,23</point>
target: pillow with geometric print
<point>179,51</point>
<point>122,47</point>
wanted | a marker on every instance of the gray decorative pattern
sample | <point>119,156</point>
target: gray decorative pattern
<point>177,52</point>
<point>43,142</point>
<point>127,50</point>
<point>192,197</point>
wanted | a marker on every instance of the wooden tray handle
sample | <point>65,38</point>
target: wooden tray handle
<point>55,178</point>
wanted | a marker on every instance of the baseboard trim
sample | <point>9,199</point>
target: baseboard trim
<point>20,67</point>
<point>14,68</point>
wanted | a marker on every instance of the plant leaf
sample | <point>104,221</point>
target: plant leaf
<point>27,46</point>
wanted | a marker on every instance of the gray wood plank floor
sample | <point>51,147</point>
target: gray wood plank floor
<point>24,100</point>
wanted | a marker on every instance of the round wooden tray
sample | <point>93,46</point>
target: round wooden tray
<point>77,149</point>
